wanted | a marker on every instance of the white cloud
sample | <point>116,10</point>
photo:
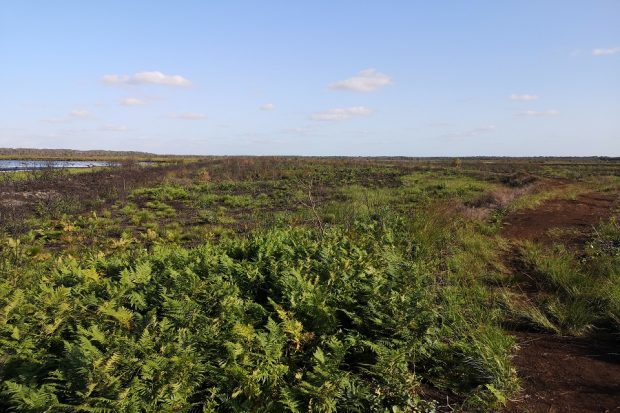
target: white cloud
<point>366,81</point>
<point>267,106</point>
<point>114,79</point>
<point>191,116</point>
<point>606,52</point>
<point>75,114</point>
<point>472,132</point>
<point>523,98</point>
<point>79,114</point>
<point>132,102</point>
<point>341,113</point>
<point>539,113</point>
<point>114,128</point>
<point>146,78</point>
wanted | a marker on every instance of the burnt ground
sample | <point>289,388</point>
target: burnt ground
<point>565,374</point>
<point>569,221</point>
<point>54,192</point>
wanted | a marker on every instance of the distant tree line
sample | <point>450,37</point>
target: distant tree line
<point>68,153</point>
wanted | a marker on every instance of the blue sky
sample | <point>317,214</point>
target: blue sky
<point>407,78</point>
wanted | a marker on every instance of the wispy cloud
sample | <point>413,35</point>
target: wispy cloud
<point>79,114</point>
<point>366,81</point>
<point>267,106</point>
<point>190,116</point>
<point>539,113</point>
<point>114,128</point>
<point>472,132</point>
<point>338,114</point>
<point>146,78</point>
<point>606,52</point>
<point>75,114</point>
<point>132,102</point>
<point>523,98</point>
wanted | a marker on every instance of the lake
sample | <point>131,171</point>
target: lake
<point>28,165</point>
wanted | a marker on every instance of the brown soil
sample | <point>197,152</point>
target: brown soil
<point>54,192</point>
<point>564,374</point>
<point>567,220</point>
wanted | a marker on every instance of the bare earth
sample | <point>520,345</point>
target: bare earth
<point>565,374</point>
<point>575,218</point>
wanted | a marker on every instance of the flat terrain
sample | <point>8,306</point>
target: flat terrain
<point>560,373</point>
<point>566,374</point>
<point>312,284</point>
<point>575,217</point>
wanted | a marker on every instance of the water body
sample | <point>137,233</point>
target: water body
<point>9,165</point>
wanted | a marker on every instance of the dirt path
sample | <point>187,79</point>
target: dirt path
<point>564,374</point>
<point>571,219</point>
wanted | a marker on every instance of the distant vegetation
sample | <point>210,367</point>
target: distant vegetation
<point>289,284</point>
<point>66,153</point>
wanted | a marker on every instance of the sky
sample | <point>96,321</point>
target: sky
<point>359,78</point>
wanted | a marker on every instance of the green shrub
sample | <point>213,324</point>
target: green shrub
<point>161,209</point>
<point>287,320</point>
<point>579,293</point>
<point>164,192</point>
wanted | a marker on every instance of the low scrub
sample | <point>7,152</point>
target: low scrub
<point>576,293</point>
<point>285,320</point>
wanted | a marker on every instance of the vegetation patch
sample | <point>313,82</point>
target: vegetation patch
<point>285,320</point>
<point>297,284</point>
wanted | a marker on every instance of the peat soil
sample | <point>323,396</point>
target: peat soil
<point>558,373</point>
<point>567,374</point>
<point>569,221</point>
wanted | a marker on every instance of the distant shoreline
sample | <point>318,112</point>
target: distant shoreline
<point>32,154</point>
